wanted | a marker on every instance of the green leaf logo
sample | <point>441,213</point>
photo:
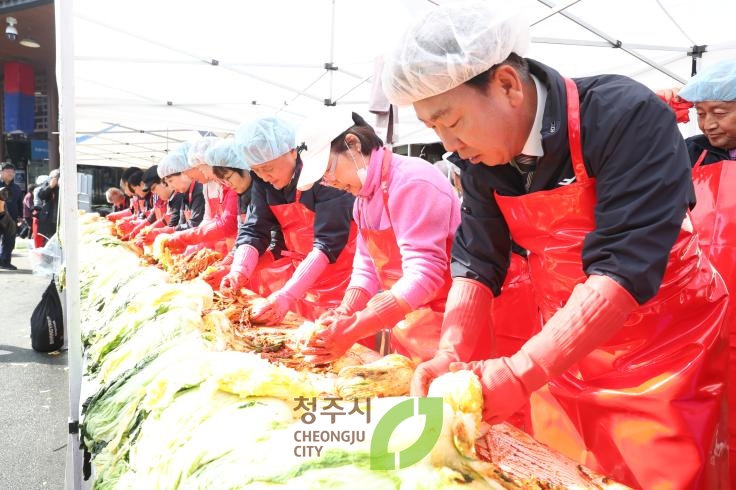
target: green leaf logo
<point>431,408</point>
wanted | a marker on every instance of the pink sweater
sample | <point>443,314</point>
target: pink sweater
<point>425,212</point>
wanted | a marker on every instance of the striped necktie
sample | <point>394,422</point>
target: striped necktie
<point>526,165</point>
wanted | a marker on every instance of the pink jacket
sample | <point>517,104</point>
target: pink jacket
<point>220,221</point>
<point>425,212</point>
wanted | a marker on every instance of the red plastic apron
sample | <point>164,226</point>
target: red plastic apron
<point>417,336</point>
<point>297,226</point>
<point>216,208</point>
<point>644,407</point>
<point>515,318</point>
<point>714,218</point>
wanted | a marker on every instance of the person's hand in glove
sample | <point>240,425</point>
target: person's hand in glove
<point>244,261</point>
<point>213,275</point>
<point>148,235</point>
<point>354,300</point>
<point>279,302</point>
<point>125,227</point>
<point>467,314</point>
<point>429,370</point>
<point>135,231</point>
<point>274,309</point>
<point>176,244</point>
<point>118,215</point>
<point>383,311</point>
<point>595,311</point>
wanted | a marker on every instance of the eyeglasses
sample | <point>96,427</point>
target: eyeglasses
<point>329,175</point>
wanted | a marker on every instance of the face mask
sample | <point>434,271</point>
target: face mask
<point>361,171</point>
<point>362,174</point>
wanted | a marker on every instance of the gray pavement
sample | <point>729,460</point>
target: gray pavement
<point>33,388</point>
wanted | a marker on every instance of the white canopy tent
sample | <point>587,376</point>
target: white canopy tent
<point>149,74</point>
<point>138,77</point>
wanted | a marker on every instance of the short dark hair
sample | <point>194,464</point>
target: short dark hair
<point>219,171</point>
<point>150,177</point>
<point>128,172</point>
<point>368,138</point>
<point>480,81</point>
<point>135,179</point>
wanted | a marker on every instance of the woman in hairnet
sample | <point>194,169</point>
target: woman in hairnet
<point>219,226</point>
<point>713,154</point>
<point>171,171</point>
<point>230,167</point>
<point>592,178</point>
<point>316,224</point>
<point>401,271</point>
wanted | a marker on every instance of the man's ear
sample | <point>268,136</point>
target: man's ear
<point>510,84</point>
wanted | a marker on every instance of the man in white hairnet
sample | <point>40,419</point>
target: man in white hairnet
<point>625,373</point>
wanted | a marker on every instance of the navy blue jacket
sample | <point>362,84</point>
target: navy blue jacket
<point>333,210</point>
<point>695,146</point>
<point>14,204</point>
<point>631,145</point>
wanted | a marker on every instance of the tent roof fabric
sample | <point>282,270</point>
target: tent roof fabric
<point>149,75</point>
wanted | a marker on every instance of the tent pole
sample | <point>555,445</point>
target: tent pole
<point>615,42</point>
<point>330,65</point>
<point>553,12</point>
<point>64,14</point>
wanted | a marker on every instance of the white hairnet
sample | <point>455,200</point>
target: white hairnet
<point>175,161</point>
<point>198,148</point>
<point>716,82</point>
<point>449,45</point>
<point>265,139</point>
<point>225,153</point>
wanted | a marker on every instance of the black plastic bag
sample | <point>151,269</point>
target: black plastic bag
<point>47,322</point>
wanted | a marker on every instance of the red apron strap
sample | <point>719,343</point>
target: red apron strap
<point>191,192</point>
<point>298,195</point>
<point>700,159</point>
<point>573,131</point>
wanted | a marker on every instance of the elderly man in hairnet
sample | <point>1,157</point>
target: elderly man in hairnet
<point>592,178</point>
<point>317,226</point>
<point>713,155</point>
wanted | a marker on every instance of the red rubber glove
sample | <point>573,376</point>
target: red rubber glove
<point>280,302</point>
<point>125,226</point>
<point>245,259</point>
<point>679,105</point>
<point>215,275</point>
<point>468,311</point>
<point>119,215</point>
<point>176,243</point>
<point>148,236</point>
<point>596,310</point>
<point>384,310</point>
<point>135,231</point>
<point>354,300</point>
